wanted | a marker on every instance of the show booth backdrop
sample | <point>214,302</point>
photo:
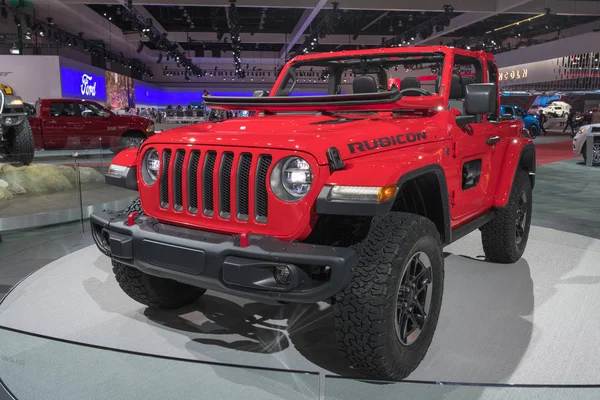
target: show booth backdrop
<point>32,77</point>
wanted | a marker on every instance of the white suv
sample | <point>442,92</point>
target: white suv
<point>579,142</point>
<point>557,108</point>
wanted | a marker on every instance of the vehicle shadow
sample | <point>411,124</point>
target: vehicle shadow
<point>484,328</point>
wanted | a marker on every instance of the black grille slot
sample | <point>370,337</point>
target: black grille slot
<point>225,185</point>
<point>193,182</point>
<point>262,201</point>
<point>178,180</point>
<point>164,184</point>
<point>207,180</point>
<point>243,186</point>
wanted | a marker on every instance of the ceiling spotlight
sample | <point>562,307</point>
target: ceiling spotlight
<point>28,34</point>
<point>15,50</point>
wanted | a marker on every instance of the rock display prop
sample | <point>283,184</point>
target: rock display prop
<point>5,194</point>
<point>39,179</point>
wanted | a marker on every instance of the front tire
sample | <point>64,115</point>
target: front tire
<point>533,131</point>
<point>20,144</point>
<point>150,290</point>
<point>385,319</point>
<point>153,291</point>
<point>596,153</point>
<point>505,237</point>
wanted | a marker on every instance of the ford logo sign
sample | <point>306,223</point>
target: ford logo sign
<point>88,88</point>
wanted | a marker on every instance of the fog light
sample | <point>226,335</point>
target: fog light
<point>283,274</point>
<point>8,121</point>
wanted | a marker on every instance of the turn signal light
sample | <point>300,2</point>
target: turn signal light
<point>387,193</point>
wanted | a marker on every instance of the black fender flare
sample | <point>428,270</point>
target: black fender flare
<point>438,171</point>
<point>325,205</point>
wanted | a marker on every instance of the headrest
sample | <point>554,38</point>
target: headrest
<point>466,80</point>
<point>456,88</point>
<point>410,83</point>
<point>438,83</point>
<point>364,84</point>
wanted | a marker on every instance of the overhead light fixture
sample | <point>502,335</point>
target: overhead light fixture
<point>28,34</point>
<point>517,23</point>
<point>15,50</point>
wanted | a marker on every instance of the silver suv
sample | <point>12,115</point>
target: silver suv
<point>579,142</point>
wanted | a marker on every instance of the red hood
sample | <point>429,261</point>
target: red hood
<point>306,133</point>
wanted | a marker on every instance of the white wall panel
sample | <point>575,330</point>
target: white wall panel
<point>31,77</point>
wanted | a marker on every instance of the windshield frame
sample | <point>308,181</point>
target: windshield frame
<point>329,62</point>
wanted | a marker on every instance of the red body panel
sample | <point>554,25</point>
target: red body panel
<point>60,132</point>
<point>377,149</point>
<point>126,158</point>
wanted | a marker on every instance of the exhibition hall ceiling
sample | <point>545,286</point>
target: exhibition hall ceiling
<point>280,27</point>
<point>357,25</point>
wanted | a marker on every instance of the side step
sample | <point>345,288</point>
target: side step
<point>470,226</point>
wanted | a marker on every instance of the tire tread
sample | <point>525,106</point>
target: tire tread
<point>361,311</point>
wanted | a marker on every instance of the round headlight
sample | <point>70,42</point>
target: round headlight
<point>291,179</point>
<point>296,176</point>
<point>151,166</point>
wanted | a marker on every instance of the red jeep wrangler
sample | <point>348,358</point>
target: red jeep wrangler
<point>345,198</point>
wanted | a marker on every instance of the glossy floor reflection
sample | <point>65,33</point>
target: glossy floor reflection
<point>499,323</point>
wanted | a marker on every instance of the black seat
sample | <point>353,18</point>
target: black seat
<point>466,80</point>
<point>456,94</point>
<point>410,82</point>
<point>364,84</point>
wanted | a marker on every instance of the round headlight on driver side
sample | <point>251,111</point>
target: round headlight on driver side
<point>291,179</point>
<point>151,166</point>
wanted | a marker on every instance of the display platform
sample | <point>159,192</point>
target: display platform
<point>532,322</point>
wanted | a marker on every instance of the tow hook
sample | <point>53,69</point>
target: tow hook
<point>131,218</point>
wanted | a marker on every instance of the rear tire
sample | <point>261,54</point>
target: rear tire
<point>505,237</point>
<point>379,327</point>
<point>20,144</point>
<point>129,140</point>
<point>153,291</point>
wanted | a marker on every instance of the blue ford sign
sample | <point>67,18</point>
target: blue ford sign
<point>80,84</point>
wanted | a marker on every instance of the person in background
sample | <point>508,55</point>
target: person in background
<point>570,121</point>
<point>542,118</point>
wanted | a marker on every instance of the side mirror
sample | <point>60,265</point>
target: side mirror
<point>480,98</point>
<point>507,117</point>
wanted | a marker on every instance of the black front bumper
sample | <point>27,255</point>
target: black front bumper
<point>218,262</point>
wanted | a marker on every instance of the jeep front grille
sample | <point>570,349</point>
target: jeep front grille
<point>211,183</point>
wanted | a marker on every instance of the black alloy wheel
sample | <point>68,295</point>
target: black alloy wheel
<point>521,217</point>
<point>414,298</point>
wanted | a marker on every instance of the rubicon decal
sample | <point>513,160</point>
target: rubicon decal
<point>387,141</point>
